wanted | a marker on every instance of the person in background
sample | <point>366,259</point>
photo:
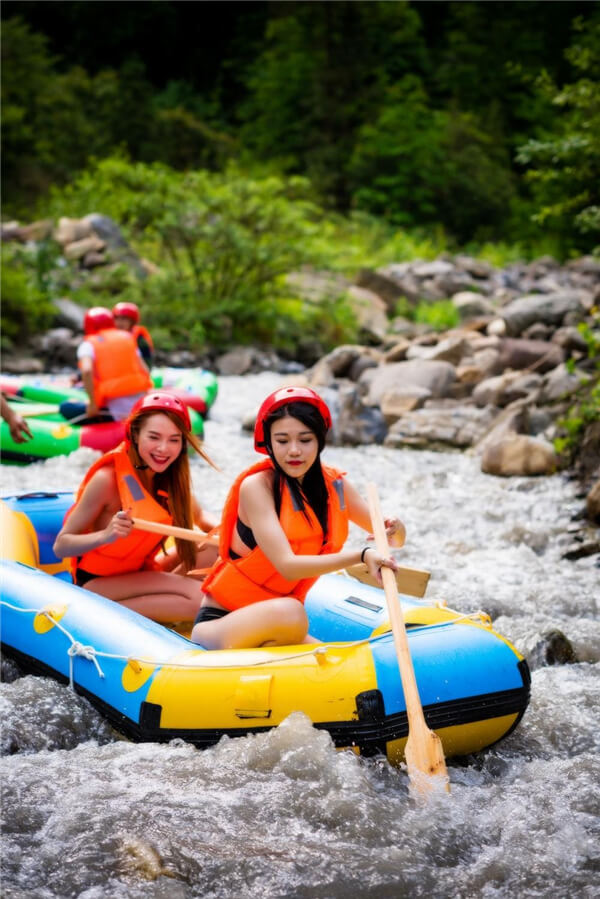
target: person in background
<point>146,477</point>
<point>127,318</point>
<point>113,372</point>
<point>17,425</point>
<point>285,522</point>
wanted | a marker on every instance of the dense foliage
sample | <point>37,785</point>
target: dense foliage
<point>26,304</point>
<point>584,409</point>
<point>479,118</point>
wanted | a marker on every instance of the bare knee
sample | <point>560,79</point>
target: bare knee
<point>288,621</point>
<point>278,622</point>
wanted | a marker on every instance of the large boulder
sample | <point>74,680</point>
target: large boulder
<point>70,230</point>
<point>517,353</point>
<point>519,454</point>
<point>436,376</point>
<point>449,349</point>
<point>592,503</point>
<point>551,309</point>
<point>469,304</point>
<point>117,248</point>
<point>370,311</point>
<point>68,313</point>
<point>441,426</point>
<point>355,423</point>
<point>386,288</point>
<point>504,389</point>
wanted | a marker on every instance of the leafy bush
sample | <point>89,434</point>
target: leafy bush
<point>26,307</point>
<point>586,406</point>
<point>440,315</point>
<point>222,241</point>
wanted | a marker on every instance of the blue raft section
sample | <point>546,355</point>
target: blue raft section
<point>152,683</point>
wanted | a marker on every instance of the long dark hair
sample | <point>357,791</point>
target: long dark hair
<point>313,489</point>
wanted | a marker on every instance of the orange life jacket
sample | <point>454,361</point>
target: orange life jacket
<point>136,551</point>
<point>141,331</point>
<point>118,369</point>
<point>235,583</point>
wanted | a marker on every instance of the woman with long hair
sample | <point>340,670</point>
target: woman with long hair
<point>146,477</point>
<point>284,524</point>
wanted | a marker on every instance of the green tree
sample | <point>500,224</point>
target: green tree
<point>396,167</point>
<point>54,121</point>
<point>323,70</point>
<point>416,165</point>
<point>563,163</point>
<point>26,69</point>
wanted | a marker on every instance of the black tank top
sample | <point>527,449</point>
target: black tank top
<point>246,536</point>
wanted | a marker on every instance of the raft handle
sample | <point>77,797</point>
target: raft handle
<point>37,494</point>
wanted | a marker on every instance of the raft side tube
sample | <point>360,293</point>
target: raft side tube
<point>46,511</point>
<point>90,620</point>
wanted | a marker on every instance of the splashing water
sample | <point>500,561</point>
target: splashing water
<point>283,814</point>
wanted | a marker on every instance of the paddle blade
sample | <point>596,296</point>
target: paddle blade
<point>425,762</point>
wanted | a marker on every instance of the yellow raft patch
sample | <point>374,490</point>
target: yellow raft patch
<point>46,618</point>
<point>61,431</point>
<point>262,685</point>
<point>135,674</point>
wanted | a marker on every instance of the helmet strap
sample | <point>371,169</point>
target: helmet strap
<point>141,466</point>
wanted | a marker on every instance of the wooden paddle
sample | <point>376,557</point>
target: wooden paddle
<point>424,753</point>
<point>36,411</point>
<point>169,530</point>
<point>412,581</point>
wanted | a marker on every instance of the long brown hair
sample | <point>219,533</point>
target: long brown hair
<point>175,482</point>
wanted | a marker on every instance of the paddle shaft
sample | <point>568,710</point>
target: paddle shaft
<point>414,709</point>
<point>169,530</point>
<point>40,409</point>
<point>425,755</point>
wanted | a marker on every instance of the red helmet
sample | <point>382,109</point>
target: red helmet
<point>159,401</point>
<point>96,319</point>
<point>280,398</point>
<point>127,310</point>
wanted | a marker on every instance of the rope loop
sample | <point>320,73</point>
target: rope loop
<point>87,652</point>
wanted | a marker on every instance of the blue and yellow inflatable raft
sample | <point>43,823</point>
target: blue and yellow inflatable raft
<point>153,684</point>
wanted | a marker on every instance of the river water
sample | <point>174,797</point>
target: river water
<point>87,814</point>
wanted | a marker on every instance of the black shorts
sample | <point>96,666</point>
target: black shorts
<point>82,577</point>
<point>210,613</point>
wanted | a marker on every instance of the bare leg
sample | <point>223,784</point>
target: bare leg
<point>205,557</point>
<point>158,595</point>
<point>273,622</point>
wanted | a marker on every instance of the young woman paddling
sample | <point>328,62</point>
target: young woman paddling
<point>285,523</point>
<point>147,477</point>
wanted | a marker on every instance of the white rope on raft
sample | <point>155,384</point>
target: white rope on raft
<point>86,652</point>
<point>91,653</point>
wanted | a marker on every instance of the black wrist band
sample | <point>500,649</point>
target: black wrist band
<point>362,555</point>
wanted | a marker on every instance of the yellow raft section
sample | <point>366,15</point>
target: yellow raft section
<point>18,540</point>
<point>254,687</point>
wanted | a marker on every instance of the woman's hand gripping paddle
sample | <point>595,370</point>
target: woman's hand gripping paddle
<point>424,753</point>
